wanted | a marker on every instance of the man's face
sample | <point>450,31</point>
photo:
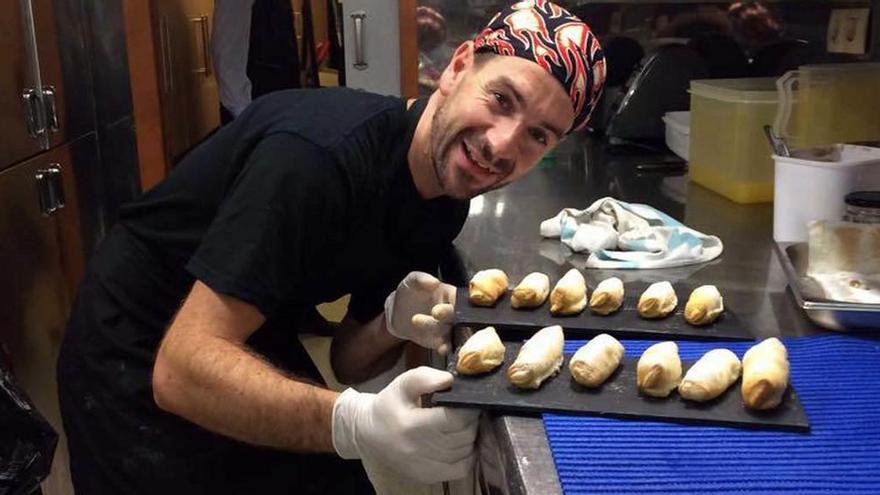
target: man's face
<point>494,125</point>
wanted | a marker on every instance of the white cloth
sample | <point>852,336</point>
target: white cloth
<point>230,43</point>
<point>622,235</point>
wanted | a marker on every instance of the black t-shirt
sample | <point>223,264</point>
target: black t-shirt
<point>305,197</point>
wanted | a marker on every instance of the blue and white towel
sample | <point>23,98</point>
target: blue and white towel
<point>628,235</point>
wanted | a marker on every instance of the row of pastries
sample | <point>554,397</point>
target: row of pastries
<point>764,368</point>
<point>569,296</point>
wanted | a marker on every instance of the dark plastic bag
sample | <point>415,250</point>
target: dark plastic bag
<point>27,441</point>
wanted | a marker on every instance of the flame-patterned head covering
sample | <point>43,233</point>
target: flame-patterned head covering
<point>553,38</point>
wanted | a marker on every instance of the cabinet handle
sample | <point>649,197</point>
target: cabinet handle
<point>33,115</point>
<point>165,52</point>
<point>51,108</point>
<point>50,189</point>
<point>204,33</point>
<point>358,17</point>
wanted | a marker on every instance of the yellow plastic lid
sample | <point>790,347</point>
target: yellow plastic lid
<point>744,90</point>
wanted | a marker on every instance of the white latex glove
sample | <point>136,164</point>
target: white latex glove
<point>428,445</point>
<point>421,310</point>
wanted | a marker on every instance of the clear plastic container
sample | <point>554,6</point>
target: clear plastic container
<point>829,103</point>
<point>728,150</point>
<point>678,128</point>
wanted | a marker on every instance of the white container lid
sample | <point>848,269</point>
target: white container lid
<point>680,121</point>
<point>835,156</point>
<point>743,90</point>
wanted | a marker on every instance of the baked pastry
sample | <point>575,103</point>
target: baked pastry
<point>710,376</point>
<point>657,301</point>
<point>659,369</point>
<point>765,374</point>
<point>569,297</point>
<point>487,286</point>
<point>704,305</point>
<point>531,292</point>
<point>481,353</point>
<point>593,363</point>
<point>608,296</point>
<point>539,358</point>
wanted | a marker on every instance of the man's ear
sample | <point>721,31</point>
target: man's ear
<point>461,63</point>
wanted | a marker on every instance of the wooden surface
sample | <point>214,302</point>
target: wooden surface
<point>142,65</point>
<point>409,50</point>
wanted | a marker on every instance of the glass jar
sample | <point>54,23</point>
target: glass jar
<point>862,207</point>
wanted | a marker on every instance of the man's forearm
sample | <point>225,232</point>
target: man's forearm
<point>360,352</point>
<point>224,388</point>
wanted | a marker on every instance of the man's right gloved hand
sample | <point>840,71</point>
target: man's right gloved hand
<point>428,445</point>
<point>421,310</point>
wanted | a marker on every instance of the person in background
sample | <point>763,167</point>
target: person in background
<point>754,24</point>
<point>181,370</point>
<point>254,51</point>
<point>430,35</point>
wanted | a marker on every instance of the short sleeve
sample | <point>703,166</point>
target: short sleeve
<point>368,302</point>
<point>273,223</point>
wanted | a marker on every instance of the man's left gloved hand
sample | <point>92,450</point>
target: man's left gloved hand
<point>421,310</point>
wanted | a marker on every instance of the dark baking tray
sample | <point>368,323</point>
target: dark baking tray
<point>516,323</point>
<point>617,397</point>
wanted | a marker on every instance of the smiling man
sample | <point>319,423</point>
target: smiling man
<point>181,370</point>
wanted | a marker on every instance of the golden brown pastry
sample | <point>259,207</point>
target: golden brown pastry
<point>539,358</point>
<point>531,292</point>
<point>765,374</point>
<point>569,297</point>
<point>659,369</point>
<point>607,297</point>
<point>704,305</point>
<point>593,363</point>
<point>657,301</point>
<point>483,352</point>
<point>710,376</point>
<point>487,286</point>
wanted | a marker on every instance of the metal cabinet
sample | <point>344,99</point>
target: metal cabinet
<point>42,52</point>
<point>41,260</point>
<point>372,45</point>
<point>48,152</point>
<point>20,102</point>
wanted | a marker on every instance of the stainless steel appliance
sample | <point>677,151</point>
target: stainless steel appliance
<point>51,191</point>
<point>658,85</point>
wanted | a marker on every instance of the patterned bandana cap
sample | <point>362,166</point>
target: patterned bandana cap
<point>553,38</point>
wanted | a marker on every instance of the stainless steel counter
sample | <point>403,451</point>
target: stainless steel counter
<point>502,232</point>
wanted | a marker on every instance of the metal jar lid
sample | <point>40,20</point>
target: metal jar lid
<point>863,199</point>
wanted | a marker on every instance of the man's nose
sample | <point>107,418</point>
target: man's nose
<point>503,139</point>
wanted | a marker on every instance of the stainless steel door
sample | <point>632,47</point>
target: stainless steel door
<point>372,45</point>
<point>18,139</point>
<point>65,70</point>
<point>34,295</point>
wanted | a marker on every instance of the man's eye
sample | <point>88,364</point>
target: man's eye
<point>502,100</point>
<point>539,136</point>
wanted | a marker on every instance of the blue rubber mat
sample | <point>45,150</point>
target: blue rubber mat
<point>838,381</point>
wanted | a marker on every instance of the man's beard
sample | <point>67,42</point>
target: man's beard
<point>442,139</point>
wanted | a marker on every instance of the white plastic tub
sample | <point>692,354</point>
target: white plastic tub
<point>678,130</point>
<point>811,186</point>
